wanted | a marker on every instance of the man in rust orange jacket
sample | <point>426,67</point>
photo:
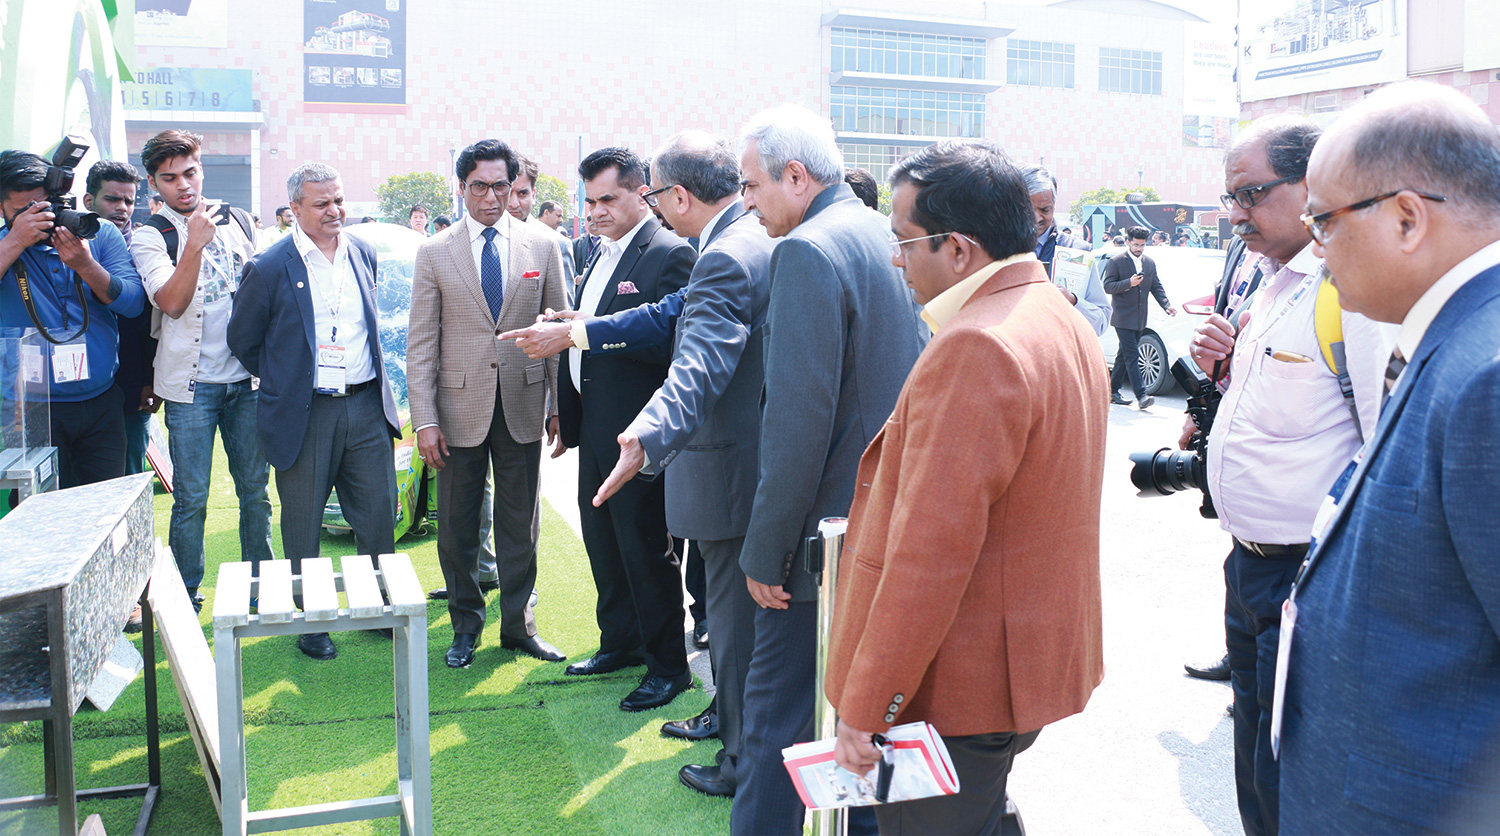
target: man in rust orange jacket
<point>969,584</point>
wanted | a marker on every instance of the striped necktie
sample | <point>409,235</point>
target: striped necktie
<point>1392,374</point>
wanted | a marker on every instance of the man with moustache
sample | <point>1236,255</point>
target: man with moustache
<point>191,254</point>
<point>1094,304</point>
<point>478,402</point>
<point>1390,720</point>
<point>843,333</point>
<point>305,323</point>
<point>1283,431</point>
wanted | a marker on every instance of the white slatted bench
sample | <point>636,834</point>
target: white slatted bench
<point>362,584</point>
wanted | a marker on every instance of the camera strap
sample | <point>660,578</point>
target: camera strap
<point>23,282</point>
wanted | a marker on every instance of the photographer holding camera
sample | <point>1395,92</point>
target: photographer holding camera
<point>1286,427</point>
<point>71,290</point>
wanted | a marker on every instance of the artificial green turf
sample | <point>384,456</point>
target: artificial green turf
<point>517,747</point>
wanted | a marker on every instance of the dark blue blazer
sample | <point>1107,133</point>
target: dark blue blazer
<point>1392,707</point>
<point>271,333</point>
<point>638,327</point>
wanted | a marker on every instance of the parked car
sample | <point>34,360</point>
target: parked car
<point>1188,275</point>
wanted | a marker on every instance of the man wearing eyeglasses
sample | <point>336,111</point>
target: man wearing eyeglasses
<point>1284,429</point>
<point>477,401</point>
<point>1391,709</point>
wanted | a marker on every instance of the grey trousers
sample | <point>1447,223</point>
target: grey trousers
<point>517,516</point>
<point>731,619</point>
<point>983,764</point>
<point>347,446</point>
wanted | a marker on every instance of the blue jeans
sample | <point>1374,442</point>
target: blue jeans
<point>135,441</point>
<point>229,407</point>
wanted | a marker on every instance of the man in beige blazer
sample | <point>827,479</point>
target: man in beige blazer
<point>968,589</point>
<point>477,401</point>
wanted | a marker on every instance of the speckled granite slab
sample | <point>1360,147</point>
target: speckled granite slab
<point>95,543</point>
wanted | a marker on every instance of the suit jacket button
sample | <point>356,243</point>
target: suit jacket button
<point>897,700</point>
<point>492,365</point>
<point>893,708</point>
<point>890,718</point>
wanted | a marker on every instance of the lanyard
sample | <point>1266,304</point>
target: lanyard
<point>23,284</point>
<point>342,268</point>
<point>1310,281</point>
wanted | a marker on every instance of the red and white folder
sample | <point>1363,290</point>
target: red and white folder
<point>922,769</point>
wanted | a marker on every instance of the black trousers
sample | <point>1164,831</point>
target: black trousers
<point>346,447</point>
<point>1255,588</point>
<point>90,439</point>
<point>1127,361</point>
<point>517,525</point>
<point>637,572</point>
<point>694,579</point>
<point>983,764</point>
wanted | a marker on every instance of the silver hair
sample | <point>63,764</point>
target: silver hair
<point>700,162</point>
<point>308,173</point>
<point>792,132</point>
<point>1039,179</point>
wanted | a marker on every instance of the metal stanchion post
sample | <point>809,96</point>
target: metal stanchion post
<point>825,720</point>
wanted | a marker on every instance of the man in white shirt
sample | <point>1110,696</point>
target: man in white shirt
<point>190,254</point>
<point>305,323</point>
<point>1283,431</point>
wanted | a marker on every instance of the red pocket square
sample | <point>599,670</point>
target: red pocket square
<point>626,288</point>
<point>531,274</point>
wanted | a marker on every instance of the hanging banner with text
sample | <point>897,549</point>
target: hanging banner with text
<point>189,88</point>
<point>182,23</point>
<point>1288,47</point>
<point>354,56</point>
<point>1210,109</point>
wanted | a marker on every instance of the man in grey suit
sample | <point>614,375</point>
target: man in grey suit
<point>1128,279</point>
<point>842,335</point>
<point>704,421</point>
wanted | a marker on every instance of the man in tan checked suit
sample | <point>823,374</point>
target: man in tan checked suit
<point>476,400</point>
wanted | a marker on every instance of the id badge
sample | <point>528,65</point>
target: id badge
<point>31,363</point>
<point>70,363</point>
<point>331,370</point>
<point>1283,658</point>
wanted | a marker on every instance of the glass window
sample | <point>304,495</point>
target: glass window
<point>1038,63</point>
<point>876,159</point>
<point>1129,71</point>
<point>906,112</point>
<point>905,53</point>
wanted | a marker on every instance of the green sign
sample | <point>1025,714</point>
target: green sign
<point>178,88</point>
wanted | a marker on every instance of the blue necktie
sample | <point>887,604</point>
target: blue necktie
<point>490,277</point>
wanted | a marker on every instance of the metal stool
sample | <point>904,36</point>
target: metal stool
<point>319,586</point>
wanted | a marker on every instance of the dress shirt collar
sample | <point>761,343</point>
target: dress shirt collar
<point>947,304</point>
<point>306,248</point>
<point>1303,263</point>
<point>476,229</point>
<point>1431,303</point>
<point>615,247</point>
<point>713,224</point>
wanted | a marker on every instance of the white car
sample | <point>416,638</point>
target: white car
<point>1188,275</point>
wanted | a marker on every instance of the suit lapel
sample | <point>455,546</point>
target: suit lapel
<point>515,272</point>
<point>734,213</point>
<point>296,274</point>
<point>462,253</point>
<point>628,259</point>
<point>365,279</point>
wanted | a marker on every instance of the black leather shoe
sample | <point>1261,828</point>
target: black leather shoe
<point>489,586</point>
<point>656,691</point>
<point>1146,403</point>
<point>701,727</point>
<point>534,646</point>
<point>1117,400</point>
<point>1218,671</point>
<point>605,662</point>
<point>317,645</point>
<point>700,635</point>
<point>461,654</point>
<point>706,779</point>
<point>439,594</point>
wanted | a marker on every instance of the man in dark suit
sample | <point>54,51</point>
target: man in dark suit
<point>1390,718</point>
<point>304,322</point>
<point>1129,280</point>
<point>636,571</point>
<point>842,334</point>
<point>584,248</point>
<point>705,419</point>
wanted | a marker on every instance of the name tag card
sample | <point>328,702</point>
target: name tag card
<point>332,373</point>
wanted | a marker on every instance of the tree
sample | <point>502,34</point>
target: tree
<point>1102,196</point>
<point>885,198</point>
<point>553,189</point>
<point>400,192</point>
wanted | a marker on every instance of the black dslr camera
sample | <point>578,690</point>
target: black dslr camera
<point>1166,471</point>
<point>59,186</point>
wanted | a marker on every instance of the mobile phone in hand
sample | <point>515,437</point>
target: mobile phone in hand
<point>221,213</point>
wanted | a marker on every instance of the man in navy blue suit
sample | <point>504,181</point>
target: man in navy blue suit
<point>1390,718</point>
<point>304,322</point>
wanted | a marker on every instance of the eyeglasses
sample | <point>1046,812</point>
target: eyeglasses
<point>1317,225</point>
<point>479,188</point>
<point>898,243</point>
<point>650,196</point>
<point>1250,195</point>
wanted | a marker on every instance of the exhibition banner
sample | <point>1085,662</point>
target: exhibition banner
<point>1210,108</point>
<point>182,23</point>
<point>354,55</point>
<point>1290,47</point>
<point>189,88</point>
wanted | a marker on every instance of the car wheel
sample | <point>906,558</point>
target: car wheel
<point>1152,356</point>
